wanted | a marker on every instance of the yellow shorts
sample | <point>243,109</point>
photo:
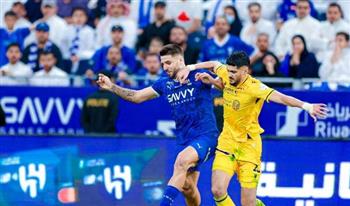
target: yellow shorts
<point>245,159</point>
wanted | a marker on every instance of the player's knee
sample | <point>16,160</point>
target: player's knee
<point>188,189</point>
<point>218,190</point>
<point>181,164</point>
<point>248,201</point>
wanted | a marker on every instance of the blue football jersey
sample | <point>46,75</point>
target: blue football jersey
<point>191,106</point>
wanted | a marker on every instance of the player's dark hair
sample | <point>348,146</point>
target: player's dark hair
<point>238,59</point>
<point>334,4</point>
<point>250,5</point>
<point>10,13</point>
<point>13,44</point>
<point>171,49</point>
<point>344,34</point>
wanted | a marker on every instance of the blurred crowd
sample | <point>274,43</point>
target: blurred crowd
<point>45,42</point>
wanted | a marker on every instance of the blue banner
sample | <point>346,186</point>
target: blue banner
<point>59,170</point>
<point>34,110</point>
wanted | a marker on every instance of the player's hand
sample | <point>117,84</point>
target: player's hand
<point>104,82</point>
<point>204,77</point>
<point>182,75</point>
<point>318,111</point>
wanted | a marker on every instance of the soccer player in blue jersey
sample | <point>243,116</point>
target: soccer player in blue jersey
<point>192,108</point>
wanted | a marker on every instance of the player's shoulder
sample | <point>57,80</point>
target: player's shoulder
<point>250,83</point>
<point>163,80</point>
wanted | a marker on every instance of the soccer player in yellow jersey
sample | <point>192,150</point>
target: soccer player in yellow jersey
<point>239,146</point>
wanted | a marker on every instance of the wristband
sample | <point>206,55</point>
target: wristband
<point>308,107</point>
<point>191,67</point>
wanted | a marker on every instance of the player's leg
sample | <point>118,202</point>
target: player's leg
<point>248,196</point>
<point>223,170</point>
<point>186,159</point>
<point>249,170</point>
<point>190,189</point>
<point>220,182</point>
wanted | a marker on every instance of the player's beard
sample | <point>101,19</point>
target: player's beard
<point>234,82</point>
<point>173,76</point>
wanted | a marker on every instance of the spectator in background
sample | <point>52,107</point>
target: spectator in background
<point>186,13</point>
<point>287,10</point>
<point>178,35</point>
<point>257,25</point>
<point>335,23</point>
<point>15,68</point>
<point>336,64</point>
<point>270,66</point>
<point>10,34</point>
<point>263,61</point>
<point>100,110</point>
<point>117,14</point>
<point>100,60</point>
<point>117,66</point>
<point>141,12</point>
<point>33,8</point>
<point>156,45</point>
<point>223,44</point>
<point>152,70</point>
<point>233,19</point>
<point>42,43</point>
<point>300,25</point>
<point>159,28</point>
<point>300,63</point>
<point>49,75</point>
<point>268,9</point>
<point>66,7</point>
<point>78,43</point>
<point>21,12</point>
<point>57,24</point>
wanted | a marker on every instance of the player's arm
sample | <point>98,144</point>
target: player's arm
<point>210,65</point>
<point>136,96</point>
<point>208,79</point>
<point>315,110</point>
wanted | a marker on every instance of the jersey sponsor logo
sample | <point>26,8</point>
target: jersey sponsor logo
<point>181,96</point>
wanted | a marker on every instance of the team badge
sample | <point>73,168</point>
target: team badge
<point>236,104</point>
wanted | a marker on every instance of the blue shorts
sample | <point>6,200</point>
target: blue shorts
<point>204,145</point>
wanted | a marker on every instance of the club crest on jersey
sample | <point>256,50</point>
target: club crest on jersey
<point>169,84</point>
<point>236,104</point>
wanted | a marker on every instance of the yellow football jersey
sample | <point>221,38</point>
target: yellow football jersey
<point>242,105</point>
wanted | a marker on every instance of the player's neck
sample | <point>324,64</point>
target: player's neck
<point>243,79</point>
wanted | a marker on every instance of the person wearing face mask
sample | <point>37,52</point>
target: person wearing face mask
<point>300,63</point>
<point>231,14</point>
